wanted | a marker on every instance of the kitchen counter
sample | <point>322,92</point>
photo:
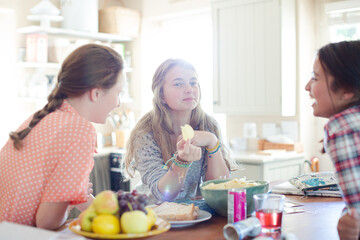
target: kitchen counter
<point>280,165</point>
<point>254,157</point>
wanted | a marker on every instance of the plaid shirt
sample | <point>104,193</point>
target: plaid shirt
<point>342,143</point>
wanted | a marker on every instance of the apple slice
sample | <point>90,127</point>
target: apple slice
<point>187,132</point>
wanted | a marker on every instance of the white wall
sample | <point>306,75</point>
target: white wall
<point>310,30</point>
<point>148,48</point>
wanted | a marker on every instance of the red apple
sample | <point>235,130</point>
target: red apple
<point>106,202</point>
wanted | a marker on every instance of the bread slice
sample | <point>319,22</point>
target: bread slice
<point>171,211</point>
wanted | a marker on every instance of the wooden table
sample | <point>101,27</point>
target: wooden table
<point>317,222</point>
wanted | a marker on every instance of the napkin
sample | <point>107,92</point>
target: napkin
<point>13,231</point>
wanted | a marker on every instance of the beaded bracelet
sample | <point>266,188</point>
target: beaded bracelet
<point>165,165</point>
<point>176,162</point>
<point>179,163</point>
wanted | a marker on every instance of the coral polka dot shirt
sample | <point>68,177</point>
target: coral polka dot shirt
<point>53,165</point>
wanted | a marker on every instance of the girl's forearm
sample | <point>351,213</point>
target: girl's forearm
<point>172,182</point>
<point>51,215</point>
<point>216,166</point>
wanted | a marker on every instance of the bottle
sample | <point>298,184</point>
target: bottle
<point>239,230</point>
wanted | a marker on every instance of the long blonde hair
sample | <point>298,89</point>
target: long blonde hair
<point>158,121</point>
<point>87,67</point>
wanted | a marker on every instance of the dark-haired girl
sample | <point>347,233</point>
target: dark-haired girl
<point>335,88</point>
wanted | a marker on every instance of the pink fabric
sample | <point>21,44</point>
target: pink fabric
<point>53,166</point>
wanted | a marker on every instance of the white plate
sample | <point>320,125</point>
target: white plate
<point>203,216</point>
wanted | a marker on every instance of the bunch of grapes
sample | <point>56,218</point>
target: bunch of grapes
<point>132,200</point>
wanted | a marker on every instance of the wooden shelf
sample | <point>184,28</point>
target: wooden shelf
<point>53,65</point>
<point>42,101</point>
<point>39,65</point>
<point>105,37</point>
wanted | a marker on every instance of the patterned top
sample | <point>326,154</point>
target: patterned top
<point>150,168</point>
<point>53,166</point>
<point>342,143</point>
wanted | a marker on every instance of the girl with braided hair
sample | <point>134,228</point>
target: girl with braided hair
<point>46,163</point>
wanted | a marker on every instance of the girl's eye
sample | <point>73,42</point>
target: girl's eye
<point>194,83</point>
<point>177,84</point>
<point>313,77</point>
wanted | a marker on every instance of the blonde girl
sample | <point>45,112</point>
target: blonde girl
<point>45,165</point>
<point>170,167</point>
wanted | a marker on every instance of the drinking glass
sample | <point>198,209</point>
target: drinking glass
<point>269,210</point>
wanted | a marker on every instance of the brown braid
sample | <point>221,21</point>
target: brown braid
<point>55,100</point>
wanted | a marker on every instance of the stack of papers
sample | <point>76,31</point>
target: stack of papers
<point>288,188</point>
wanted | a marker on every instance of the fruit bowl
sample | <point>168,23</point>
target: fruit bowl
<point>160,227</point>
<point>217,198</point>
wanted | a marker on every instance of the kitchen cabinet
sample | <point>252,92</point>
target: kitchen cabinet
<point>254,57</point>
<point>281,166</point>
<point>39,74</point>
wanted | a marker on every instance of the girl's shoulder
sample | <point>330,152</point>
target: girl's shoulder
<point>147,139</point>
<point>345,121</point>
<point>69,123</point>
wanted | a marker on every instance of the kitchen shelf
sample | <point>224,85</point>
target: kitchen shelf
<point>53,65</point>
<point>105,37</point>
<point>40,100</point>
<point>40,65</point>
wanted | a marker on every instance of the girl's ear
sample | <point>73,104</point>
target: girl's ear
<point>94,94</point>
<point>347,96</point>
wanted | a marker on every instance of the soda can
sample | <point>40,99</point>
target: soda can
<point>239,230</point>
<point>236,205</point>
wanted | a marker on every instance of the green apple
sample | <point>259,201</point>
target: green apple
<point>134,222</point>
<point>106,202</point>
<point>86,217</point>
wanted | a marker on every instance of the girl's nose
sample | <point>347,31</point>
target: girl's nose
<point>307,86</point>
<point>188,88</point>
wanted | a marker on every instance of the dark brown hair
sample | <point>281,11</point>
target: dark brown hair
<point>89,66</point>
<point>342,61</point>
